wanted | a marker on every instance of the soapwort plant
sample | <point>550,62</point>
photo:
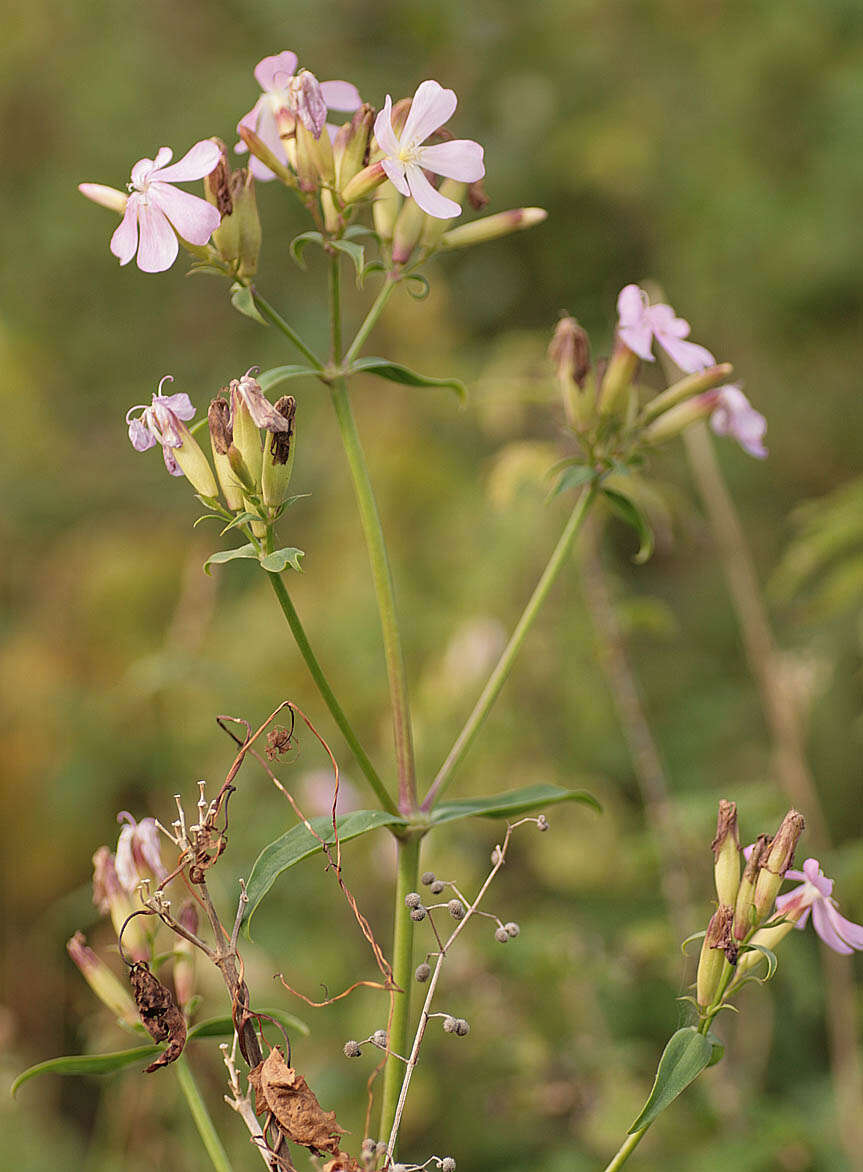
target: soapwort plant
<point>381,188</point>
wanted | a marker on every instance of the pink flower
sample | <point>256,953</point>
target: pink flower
<point>161,423</point>
<point>160,212</point>
<point>302,96</point>
<point>405,159</point>
<point>816,895</point>
<point>138,854</point>
<point>734,415</point>
<point>640,323</point>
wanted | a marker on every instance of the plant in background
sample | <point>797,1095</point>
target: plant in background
<point>366,186</point>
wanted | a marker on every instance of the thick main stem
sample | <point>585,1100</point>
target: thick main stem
<point>407,880</point>
<point>504,665</point>
<point>380,566</point>
<point>200,1114</point>
<point>327,694</point>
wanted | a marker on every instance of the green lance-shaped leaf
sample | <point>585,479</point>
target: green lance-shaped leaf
<point>573,477</point>
<point>299,842</point>
<point>298,244</point>
<point>87,1064</point>
<point>629,512</point>
<point>396,373</point>
<point>688,1052</point>
<point>229,555</point>
<point>511,804</point>
<point>767,953</point>
<point>280,374</point>
<point>243,300</point>
<point>276,561</point>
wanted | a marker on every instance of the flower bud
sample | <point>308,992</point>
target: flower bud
<point>726,853</point>
<point>618,378</point>
<point>676,420</point>
<point>491,227</point>
<point>184,956</point>
<point>351,145</point>
<point>569,350</point>
<point>106,197</point>
<point>744,907</point>
<point>221,438</point>
<point>434,226</point>
<point>385,209</point>
<point>247,438</point>
<point>261,151</point>
<point>768,938</point>
<point>315,163</point>
<point>278,463</point>
<point>194,464</point>
<point>686,388</point>
<point>777,862</point>
<point>101,980</point>
<point>408,227</point>
<point>363,183</point>
<point>718,946</point>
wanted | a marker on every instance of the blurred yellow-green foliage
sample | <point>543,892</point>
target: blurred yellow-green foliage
<point>713,147</point>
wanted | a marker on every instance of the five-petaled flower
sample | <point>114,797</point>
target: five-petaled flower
<point>815,894</point>
<point>735,416</point>
<point>286,95</point>
<point>640,323</point>
<point>157,212</point>
<point>405,158</point>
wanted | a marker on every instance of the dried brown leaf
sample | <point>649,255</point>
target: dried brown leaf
<point>159,1013</point>
<point>292,1102</point>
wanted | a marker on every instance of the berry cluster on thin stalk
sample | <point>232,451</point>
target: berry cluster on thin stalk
<point>462,910</point>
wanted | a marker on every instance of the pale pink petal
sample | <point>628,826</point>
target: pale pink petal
<point>180,404</point>
<point>812,871</point>
<point>395,172</point>
<point>804,919</point>
<point>158,248</point>
<point>631,304</point>
<point>250,121</point>
<point>144,167</point>
<point>789,874</point>
<point>459,159</point>
<point>194,218</point>
<point>275,72</point>
<point>851,933</point>
<point>638,338</point>
<point>341,95</point>
<point>431,107</point>
<point>268,132</point>
<point>384,132</point>
<point>195,164</point>
<point>124,242</point>
<point>141,437</point>
<point>148,846</point>
<point>124,862</point>
<point>171,462</point>
<point>687,355</point>
<point>665,321</point>
<point>826,931</point>
<point>429,199</point>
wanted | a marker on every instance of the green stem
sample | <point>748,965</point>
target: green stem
<point>326,692</point>
<point>504,665</point>
<point>407,879</point>
<point>266,310</point>
<point>371,319</point>
<point>626,1149</point>
<point>380,566</point>
<point>201,1116</point>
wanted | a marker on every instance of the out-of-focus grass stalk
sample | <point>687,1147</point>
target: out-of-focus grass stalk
<point>791,765</point>
<point>201,1116</point>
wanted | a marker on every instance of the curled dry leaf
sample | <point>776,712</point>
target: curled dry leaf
<point>342,1163</point>
<point>284,1092</point>
<point>159,1013</point>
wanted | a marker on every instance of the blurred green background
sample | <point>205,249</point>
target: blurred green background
<point>713,147</point>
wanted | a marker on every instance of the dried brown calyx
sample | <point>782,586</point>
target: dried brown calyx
<point>162,1019</point>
